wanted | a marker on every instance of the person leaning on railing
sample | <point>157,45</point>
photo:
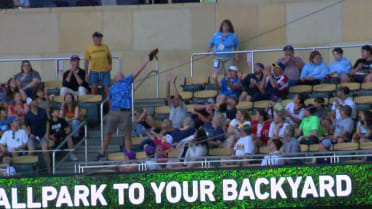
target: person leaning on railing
<point>225,40</point>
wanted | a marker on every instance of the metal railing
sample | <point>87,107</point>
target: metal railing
<point>252,52</point>
<point>102,116</point>
<point>56,60</point>
<point>206,162</point>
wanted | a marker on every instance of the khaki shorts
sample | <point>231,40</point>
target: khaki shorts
<point>225,63</point>
<point>119,119</point>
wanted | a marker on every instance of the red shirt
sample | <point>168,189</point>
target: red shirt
<point>265,128</point>
<point>162,147</point>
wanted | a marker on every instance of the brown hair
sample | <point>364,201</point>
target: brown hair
<point>314,54</point>
<point>73,102</point>
<point>24,62</point>
<point>228,22</point>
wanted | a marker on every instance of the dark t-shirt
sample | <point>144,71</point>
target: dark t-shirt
<point>37,123</point>
<point>246,83</point>
<point>26,78</point>
<point>366,65</point>
<point>57,128</point>
<point>178,134</point>
<point>230,114</point>
<point>214,132</point>
<point>73,84</point>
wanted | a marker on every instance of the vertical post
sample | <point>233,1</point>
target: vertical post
<point>86,143</point>
<point>157,76</point>
<point>132,100</point>
<point>191,65</point>
<point>54,161</point>
<point>57,65</point>
<point>120,65</point>
<point>252,62</point>
<point>102,104</point>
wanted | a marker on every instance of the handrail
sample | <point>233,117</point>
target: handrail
<point>57,59</point>
<point>266,50</point>
<point>206,161</point>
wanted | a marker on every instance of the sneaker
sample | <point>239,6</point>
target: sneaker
<point>100,157</point>
<point>73,157</point>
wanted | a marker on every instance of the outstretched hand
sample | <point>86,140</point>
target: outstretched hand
<point>169,77</point>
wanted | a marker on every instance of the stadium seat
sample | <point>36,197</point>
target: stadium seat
<point>162,110</point>
<point>186,95</point>
<point>83,114</point>
<point>323,90</point>
<point>59,99</point>
<point>366,89</point>
<point>90,98</point>
<point>298,89</point>
<point>190,108</point>
<point>220,152</point>
<point>264,150</point>
<point>244,106</point>
<point>346,146</point>
<point>53,86</point>
<point>309,101</point>
<point>366,146</point>
<point>261,104</point>
<point>304,148</point>
<point>353,86</point>
<point>27,159</point>
<point>363,103</point>
<point>205,94</point>
<point>174,153</point>
<point>117,156</point>
<point>195,83</point>
<point>313,148</point>
<point>136,140</point>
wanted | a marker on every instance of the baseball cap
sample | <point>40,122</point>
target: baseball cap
<point>233,68</point>
<point>247,129</point>
<point>97,34</point>
<point>169,138</point>
<point>288,47</point>
<point>279,65</point>
<point>130,154</point>
<point>346,109</point>
<point>11,119</point>
<point>28,100</point>
<point>74,57</point>
<point>259,64</point>
<point>149,150</point>
<point>326,143</point>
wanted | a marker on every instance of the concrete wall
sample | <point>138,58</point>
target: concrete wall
<point>179,30</point>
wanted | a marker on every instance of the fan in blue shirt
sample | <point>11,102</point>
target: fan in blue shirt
<point>315,70</point>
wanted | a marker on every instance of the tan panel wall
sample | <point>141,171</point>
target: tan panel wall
<point>357,20</point>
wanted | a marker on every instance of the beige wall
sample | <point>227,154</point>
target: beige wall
<point>178,31</point>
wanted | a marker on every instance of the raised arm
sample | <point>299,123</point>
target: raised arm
<point>148,59</point>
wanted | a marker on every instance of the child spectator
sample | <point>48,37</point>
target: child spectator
<point>295,110</point>
<point>273,158</point>
<point>4,120</point>
<point>18,108</point>
<point>315,70</point>
<point>197,148</point>
<point>70,111</point>
<point>310,127</point>
<point>14,140</point>
<point>42,96</point>
<point>245,145</point>
<point>233,131</point>
<point>143,120</point>
<point>7,160</point>
<point>13,87</point>
<point>260,127</point>
<point>363,131</point>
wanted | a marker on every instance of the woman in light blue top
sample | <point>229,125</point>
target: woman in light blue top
<point>315,70</point>
<point>340,67</point>
<point>225,40</point>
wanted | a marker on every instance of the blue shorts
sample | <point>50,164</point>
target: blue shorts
<point>100,77</point>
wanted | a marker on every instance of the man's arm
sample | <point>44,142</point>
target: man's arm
<point>233,86</point>
<point>86,67</point>
<point>148,59</point>
<point>77,77</point>
<point>174,87</point>
<point>167,90</point>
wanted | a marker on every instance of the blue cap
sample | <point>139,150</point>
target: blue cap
<point>11,118</point>
<point>259,64</point>
<point>130,154</point>
<point>279,65</point>
<point>288,47</point>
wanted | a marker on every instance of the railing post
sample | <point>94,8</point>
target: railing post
<point>120,64</point>
<point>132,98</point>
<point>86,143</point>
<point>102,104</point>
<point>56,66</point>
<point>191,65</point>
<point>252,62</point>
<point>54,162</point>
<point>157,76</point>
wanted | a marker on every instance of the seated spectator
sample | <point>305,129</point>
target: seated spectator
<point>215,130</point>
<point>21,3</point>
<point>28,78</point>
<point>319,104</point>
<point>343,99</point>
<point>310,129</point>
<point>276,84</point>
<point>251,85</point>
<point>260,127</point>
<point>229,86</point>
<point>274,105</point>
<point>43,99</point>
<point>143,120</point>
<point>74,79</point>
<point>315,70</point>
<point>58,131</point>
<point>277,127</point>
<point>4,120</point>
<point>178,108</point>
<point>228,108</point>
<point>7,160</point>
<point>293,65</point>
<point>362,69</point>
<point>225,40</point>
<point>343,129</point>
<point>36,121</point>
<point>290,145</point>
<point>13,87</point>
<point>18,108</point>
<point>245,145</point>
<point>150,162</point>
<point>70,111</point>
<point>188,129</point>
<point>363,131</point>
<point>324,146</point>
<point>233,131</point>
<point>197,148</point>
<point>295,110</point>
<point>203,113</point>
<point>15,140</point>
<point>273,158</point>
<point>340,67</point>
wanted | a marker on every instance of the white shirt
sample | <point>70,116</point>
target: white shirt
<point>177,114</point>
<point>273,129</point>
<point>244,146</point>
<point>236,123</point>
<point>290,108</point>
<point>348,101</point>
<point>275,159</point>
<point>20,138</point>
<point>259,128</point>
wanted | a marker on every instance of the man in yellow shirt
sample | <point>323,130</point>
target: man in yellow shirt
<point>100,58</point>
